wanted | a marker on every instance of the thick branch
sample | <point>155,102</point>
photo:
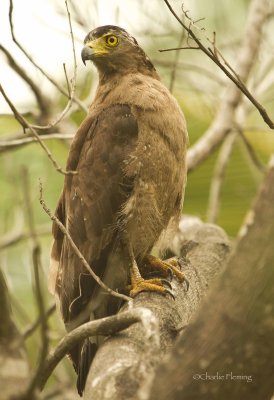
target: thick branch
<point>227,352</point>
<point>124,365</point>
<point>105,326</point>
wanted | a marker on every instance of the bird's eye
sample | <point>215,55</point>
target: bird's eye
<point>112,40</point>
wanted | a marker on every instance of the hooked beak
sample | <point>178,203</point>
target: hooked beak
<point>87,53</point>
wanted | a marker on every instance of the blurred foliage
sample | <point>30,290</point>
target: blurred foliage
<point>199,94</point>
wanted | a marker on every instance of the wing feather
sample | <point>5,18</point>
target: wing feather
<point>92,199</point>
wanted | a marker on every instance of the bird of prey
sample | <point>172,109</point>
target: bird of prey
<point>130,157</point>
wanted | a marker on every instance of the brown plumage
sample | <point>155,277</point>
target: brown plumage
<point>129,154</point>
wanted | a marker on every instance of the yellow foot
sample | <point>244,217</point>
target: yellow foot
<point>148,285</point>
<point>154,264</point>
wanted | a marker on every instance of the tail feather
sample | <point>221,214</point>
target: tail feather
<point>86,355</point>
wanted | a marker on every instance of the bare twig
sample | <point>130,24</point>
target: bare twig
<point>34,325</point>
<point>36,255</point>
<point>19,117</point>
<point>13,237</point>
<point>67,80</point>
<point>225,118</point>
<point>77,251</point>
<point>83,14</point>
<point>217,54</point>
<point>24,123</point>
<point>223,160</point>
<point>34,381</point>
<point>72,86</point>
<point>213,55</point>
<point>105,326</point>
<point>28,207</point>
<point>258,164</point>
<point>191,67</point>
<point>218,177</point>
<point>19,309</point>
<point>180,48</point>
<point>6,145</point>
<point>14,364</point>
<point>6,323</point>
<point>220,170</point>
<point>175,64</point>
<point>42,101</point>
<point>29,57</point>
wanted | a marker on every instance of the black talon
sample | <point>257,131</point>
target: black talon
<point>187,284</point>
<point>170,293</point>
<point>170,274</point>
<point>167,283</point>
<point>159,275</point>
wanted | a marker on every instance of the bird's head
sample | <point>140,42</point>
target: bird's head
<point>111,48</point>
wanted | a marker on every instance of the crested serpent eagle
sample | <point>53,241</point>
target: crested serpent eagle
<point>130,158</point>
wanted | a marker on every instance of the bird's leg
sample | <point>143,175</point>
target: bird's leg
<point>139,284</point>
<point>155,264</point>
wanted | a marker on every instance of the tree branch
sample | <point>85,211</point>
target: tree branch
<point>251,152</point>
<point>43,103</point>
<point>227,352</point>
<point>28,56</point>
<point>24,123</point>
<point>224,120</point>
<point>6,145</point>
<point>175,64</point>
<point>14,371</point>
<point>104,326</point>
<point>71,87</point>
<point>34,325</point>
<point>15,236</point>
<point>259,10</point>
<point>37,267</point>
<point>193,68</point>
<point>218,176</point>
<point>124,365</point>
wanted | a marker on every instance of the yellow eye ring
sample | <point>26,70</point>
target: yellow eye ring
<point>112,40</point>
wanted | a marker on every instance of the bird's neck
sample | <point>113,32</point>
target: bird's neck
<point>111,76</point>
<point>110,70</point>
<point>117,87</point>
